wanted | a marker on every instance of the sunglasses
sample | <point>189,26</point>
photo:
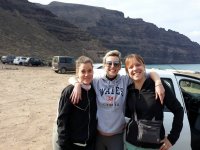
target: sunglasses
<point>114,63</point>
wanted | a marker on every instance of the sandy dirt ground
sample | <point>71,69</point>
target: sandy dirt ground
<point>28,106</point>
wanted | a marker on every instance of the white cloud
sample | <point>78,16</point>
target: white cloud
<point>178,15</point>
<point>195,35</point>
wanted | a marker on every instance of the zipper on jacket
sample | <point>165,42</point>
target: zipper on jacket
<point>139,94</point>
<point>88,118</point>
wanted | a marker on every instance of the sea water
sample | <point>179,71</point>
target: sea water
<point>189,67</point>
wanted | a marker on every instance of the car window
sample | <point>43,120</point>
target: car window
<point>69,60</point>
<point>66,60</point>
<point>62,60</point>
<point>169,83</point>
<point>191,87</point>
<point>191,93</point>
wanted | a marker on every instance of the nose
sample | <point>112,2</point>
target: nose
<point>87,73</point>
<point>133,68</point>
<point>112,65</point>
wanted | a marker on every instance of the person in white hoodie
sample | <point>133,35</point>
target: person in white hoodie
<point>111,91</point>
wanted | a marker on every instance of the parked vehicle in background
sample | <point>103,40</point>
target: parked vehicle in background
<point>7,59</point>
<point>31,61</point>
<point>19,60</point>
<point>62,64</point>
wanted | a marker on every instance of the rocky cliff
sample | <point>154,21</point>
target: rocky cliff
<point>69,29</point>
<point>26,29</point>
<point>129,35</point>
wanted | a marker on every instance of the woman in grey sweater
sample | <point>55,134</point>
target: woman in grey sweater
<point>111,90</point>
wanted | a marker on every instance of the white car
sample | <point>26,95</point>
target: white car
<point>187,91</point>
<point>19,60</point>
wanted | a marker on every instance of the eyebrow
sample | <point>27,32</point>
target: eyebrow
<point>112,61</point>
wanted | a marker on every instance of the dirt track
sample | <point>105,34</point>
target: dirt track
<point>28,105</point>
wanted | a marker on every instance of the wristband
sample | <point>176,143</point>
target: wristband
<point>158,84</point>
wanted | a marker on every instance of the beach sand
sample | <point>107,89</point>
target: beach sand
<point>28,105</point>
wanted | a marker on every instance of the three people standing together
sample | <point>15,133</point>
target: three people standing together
<point>111,94</point>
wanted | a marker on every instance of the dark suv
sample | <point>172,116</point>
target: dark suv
<point>62,64</point>
<point>31,61</point>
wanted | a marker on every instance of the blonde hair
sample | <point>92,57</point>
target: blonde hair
<point>130,57</point>
<point>112,53</point>
<point>82,60</point>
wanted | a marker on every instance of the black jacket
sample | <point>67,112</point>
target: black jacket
<point>147,108</point>
<point>76,123</point>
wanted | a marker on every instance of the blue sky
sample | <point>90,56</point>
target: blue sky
<point>178,15</point>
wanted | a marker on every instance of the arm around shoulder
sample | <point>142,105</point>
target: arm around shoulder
<point>159,89</point>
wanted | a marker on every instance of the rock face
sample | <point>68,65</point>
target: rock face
<point>30,29</point>
<point>26,29</point>
<point>129,35</point>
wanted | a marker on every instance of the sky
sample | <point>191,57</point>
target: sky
<point>182,16</point>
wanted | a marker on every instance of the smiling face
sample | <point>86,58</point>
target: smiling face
<point>112,66</point>
<point>85,73</point>
<point>135,67</point>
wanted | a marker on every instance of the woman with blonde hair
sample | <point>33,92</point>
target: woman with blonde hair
<point>111,90</point>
